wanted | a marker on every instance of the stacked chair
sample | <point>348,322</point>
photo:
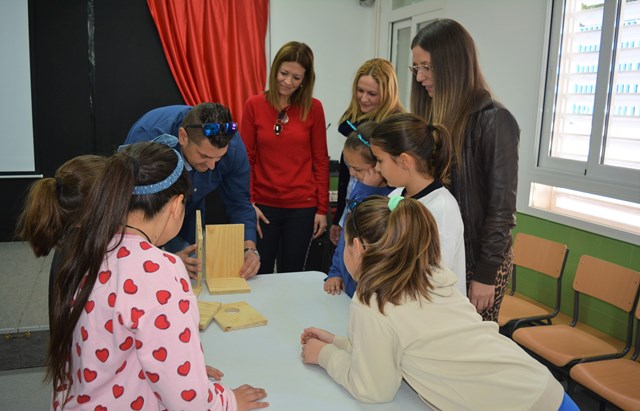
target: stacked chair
<point>545,257</point>
<point>615,381</point>
<point>562,346</point>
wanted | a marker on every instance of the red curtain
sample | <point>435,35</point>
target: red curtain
<point>215,48</point>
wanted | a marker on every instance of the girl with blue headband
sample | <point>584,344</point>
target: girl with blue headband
<point>361,164</point>
<point>408,321</point>
<point>124,326</point>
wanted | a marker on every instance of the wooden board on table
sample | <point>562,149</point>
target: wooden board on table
<point>224,256</point>
<point>207,309</point>
<point>228,286</point>
<point>199,252</point>
<point>236,316</point>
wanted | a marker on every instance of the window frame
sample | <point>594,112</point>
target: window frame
<point>591,176</point>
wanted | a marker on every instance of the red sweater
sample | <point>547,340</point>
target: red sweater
<point>290,170</point>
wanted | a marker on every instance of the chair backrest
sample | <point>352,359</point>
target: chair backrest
<point>608,282</point>
<point>539,254</point>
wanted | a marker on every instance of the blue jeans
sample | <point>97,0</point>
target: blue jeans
<point>568,404</point>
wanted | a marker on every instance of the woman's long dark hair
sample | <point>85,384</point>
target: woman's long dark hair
<point>105,214</point>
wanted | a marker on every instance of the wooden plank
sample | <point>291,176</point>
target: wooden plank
<point>236,316</point>
<point>224,254</point>
<point>199,252</point>
<point>228,286</point>
<point>207,311</point>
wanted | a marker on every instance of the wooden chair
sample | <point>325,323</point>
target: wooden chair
<point>615,381</point>
<point>544,256</point>
<point>562,346</point>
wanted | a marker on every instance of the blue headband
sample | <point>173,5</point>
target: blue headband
<point>365,142</point>
<point>170,141</point>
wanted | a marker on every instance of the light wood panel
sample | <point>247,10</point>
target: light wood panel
<point>224,259</point>
<point>199,252</point>
<point>207,311</point>
<point>236,316</point>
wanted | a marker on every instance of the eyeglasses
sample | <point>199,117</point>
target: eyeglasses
<point>420,68</point>
<point>215,129</point>
<point>282,119</point>
<point>352,206</point>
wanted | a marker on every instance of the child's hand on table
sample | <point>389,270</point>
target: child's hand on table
<point>333,285</point>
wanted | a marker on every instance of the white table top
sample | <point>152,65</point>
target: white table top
<point>269,356</point>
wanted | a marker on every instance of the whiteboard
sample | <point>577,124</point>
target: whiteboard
<point>16,138</point>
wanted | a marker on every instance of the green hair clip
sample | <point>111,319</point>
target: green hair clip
<point>393,202</point>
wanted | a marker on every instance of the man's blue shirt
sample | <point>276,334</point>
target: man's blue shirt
<point>231,173</point>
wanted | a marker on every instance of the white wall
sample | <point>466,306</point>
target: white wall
<point>16,140</point>
<point>510,37</point>
<point>341,35</point>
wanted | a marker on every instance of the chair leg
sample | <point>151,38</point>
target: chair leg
<point>602,406</point>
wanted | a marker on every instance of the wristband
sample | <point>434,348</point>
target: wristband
<point>253,250</point>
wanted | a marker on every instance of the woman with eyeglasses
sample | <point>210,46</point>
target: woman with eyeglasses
<point>374,96</point>
<point>449,89</point>
<point>284,132</point>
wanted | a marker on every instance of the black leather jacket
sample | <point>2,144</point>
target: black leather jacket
<point>486,188</point>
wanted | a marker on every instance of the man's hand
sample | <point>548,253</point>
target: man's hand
<point>334,233</point>
<point>481,295</point>
<point>192,264</point>
<point>333,285</point>
<point>319,225</point>
<point>259,217</point>
<point>251,261</point>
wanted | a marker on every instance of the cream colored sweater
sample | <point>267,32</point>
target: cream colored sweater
<point>445,352</point>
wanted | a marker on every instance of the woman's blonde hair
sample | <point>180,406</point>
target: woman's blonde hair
<point>402,248</point>
<point>384,74</point>
<point>300,53</point>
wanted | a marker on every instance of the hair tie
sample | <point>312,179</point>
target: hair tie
<point>58,184</point>
<point>393,202</point>
<point>365,142</point>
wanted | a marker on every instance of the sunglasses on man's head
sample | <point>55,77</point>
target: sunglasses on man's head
<point>282,119</point>
<point>215,129</point>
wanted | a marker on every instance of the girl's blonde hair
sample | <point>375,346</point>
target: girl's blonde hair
<point>384,74</point>
<point>402,248</point>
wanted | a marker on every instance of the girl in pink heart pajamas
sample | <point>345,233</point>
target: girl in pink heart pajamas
<point>124,332</point>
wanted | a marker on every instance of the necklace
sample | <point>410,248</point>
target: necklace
<point>140,231</point>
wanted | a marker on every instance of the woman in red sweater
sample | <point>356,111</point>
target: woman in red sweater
<point>284,132</point>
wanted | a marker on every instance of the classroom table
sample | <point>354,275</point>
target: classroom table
<point>269,356</point>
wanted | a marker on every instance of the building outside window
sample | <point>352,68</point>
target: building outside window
<point>588,164</point>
